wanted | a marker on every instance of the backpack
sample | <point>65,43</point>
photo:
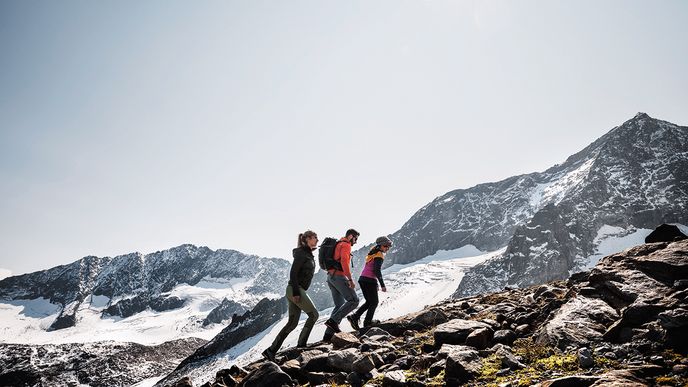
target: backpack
<point>326,255</point>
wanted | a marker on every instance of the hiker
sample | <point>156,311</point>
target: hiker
<point>370,276</point>
<point>300,277</point>
<point>341,284</point>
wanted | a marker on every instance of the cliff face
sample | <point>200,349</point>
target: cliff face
<point>625,322</point>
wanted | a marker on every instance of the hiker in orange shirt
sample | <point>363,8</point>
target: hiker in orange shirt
<point>341,284</point>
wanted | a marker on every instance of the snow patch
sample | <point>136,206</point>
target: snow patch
<point>611,239</point>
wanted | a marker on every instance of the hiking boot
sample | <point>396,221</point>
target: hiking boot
<point>332,325</point>
<point>353,321</point>
<point>269,355</point>
<point>367,324</point>
<point>327,337</point>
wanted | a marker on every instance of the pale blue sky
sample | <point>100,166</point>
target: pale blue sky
<point>138,126</point>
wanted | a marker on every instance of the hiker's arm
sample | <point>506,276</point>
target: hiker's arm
<point>345,259</point>
<point>377,269</point>
<point>299,260</point>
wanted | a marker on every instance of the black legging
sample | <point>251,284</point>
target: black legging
<point>369,289</point>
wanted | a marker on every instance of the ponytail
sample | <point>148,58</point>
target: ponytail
<point>303,236</point>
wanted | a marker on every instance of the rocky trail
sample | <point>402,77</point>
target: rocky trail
<point>624,323</point>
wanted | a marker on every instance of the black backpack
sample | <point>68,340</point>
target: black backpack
<point>326,255</point>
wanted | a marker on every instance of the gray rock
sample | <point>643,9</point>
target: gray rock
<point>376,331</point>
<point>479,338</point>
<point>430,318</point>
<point>363,364</point>
<point>579,322</point>
<point>675,318</point>
<point>462,365</point>
<point>456,331</point>
<point>342,360</point>
<point>344,340</point>
<point>504,336</point>
<point>267,375</point>
<point>585,358</point>
<point>394,379</point>
<point>508,358</point>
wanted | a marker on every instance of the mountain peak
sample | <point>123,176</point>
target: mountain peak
<point>641,116</point>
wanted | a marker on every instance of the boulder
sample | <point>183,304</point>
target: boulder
<point>456,331</point>
<point>665,233</point>
<point>462,364</point>
<point>267,375</point>
<point>504,336</point>
<point>344,340</point>
<point>585,359</point>
<point>579,322</point>
<point>364,364</point>
<point>342,360</point>
<point>479,338</point>
<point>375,332</point>
<point>394,379</point>
<point>430,317</point>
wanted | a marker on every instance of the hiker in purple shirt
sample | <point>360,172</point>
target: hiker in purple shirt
<point>370,276</point>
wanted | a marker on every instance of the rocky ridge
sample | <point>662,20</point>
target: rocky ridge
<point>625,322</point>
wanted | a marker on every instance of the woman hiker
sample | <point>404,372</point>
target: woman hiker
<point>300,277</point>
<point>370,276</point>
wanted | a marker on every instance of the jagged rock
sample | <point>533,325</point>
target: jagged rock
<point>292,368</point>
<point>316,363</point>
<point>462,364</point>
<point>579,322</point>
<point>479,338</point>
<point>504,336</point>
<point>305,356</point>
<point>665,233</point>
<point>585,358</point>
<point>342,360</point>
<point>394,379</point>
<point>404,362</point>
<point>675,318</point>
<point>267,375</point>
<point>364,364</point>
<point>376,331</point>
<point>344,340</point>
<point>456,331</point>
<point>430,318</point>
<point>437,367</point>
<point>507,357</point>
<point>237,372</point>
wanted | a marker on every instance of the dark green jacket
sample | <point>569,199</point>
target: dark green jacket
<point>302,269</point>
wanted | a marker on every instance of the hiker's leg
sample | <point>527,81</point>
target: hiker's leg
<point>338,302</point>
<point>292,322</point>
<point>307,306</point>
<point>373,301</point>
<point>365,305</point>
<point>349,295</point>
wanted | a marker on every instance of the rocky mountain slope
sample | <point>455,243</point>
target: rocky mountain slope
<point>625,322</point>
<point>101,364</point>
<point>634,177</point>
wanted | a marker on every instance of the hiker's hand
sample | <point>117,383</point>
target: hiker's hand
<point>352,284</point>
<point>297,299</point>
<point>384,289</point>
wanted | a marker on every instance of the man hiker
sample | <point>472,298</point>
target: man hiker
<point>341,284</point>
